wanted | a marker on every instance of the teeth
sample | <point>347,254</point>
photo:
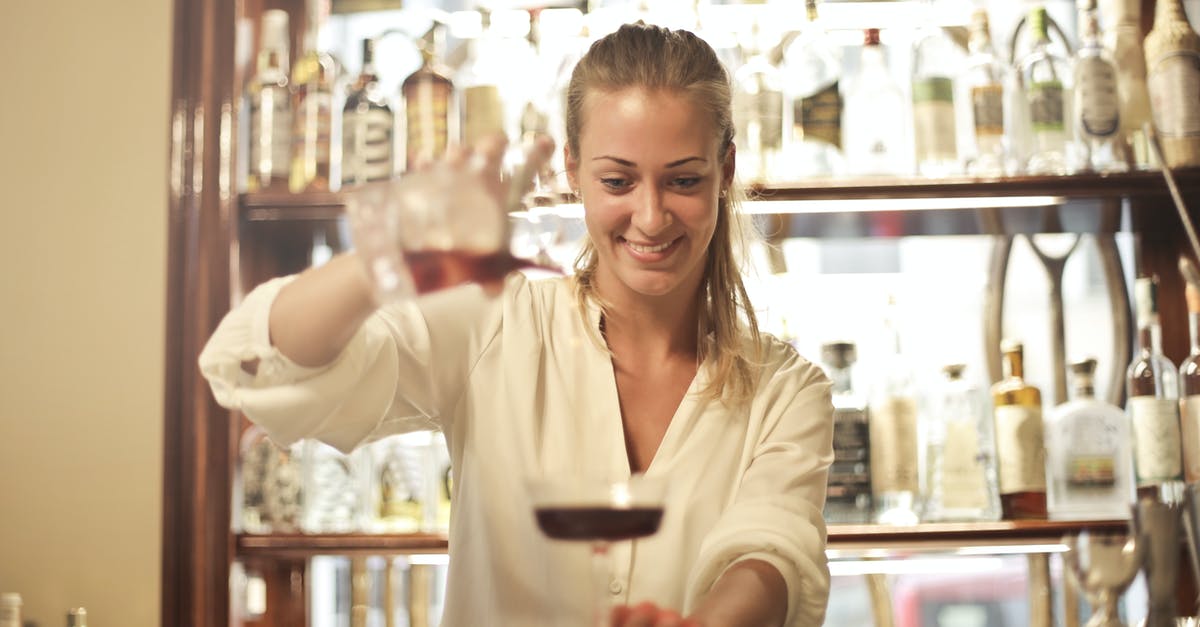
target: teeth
<point>647,249</point>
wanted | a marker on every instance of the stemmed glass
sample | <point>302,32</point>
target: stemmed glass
<point>599,512</point>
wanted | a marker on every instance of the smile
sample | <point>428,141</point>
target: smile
<point>648,249</point>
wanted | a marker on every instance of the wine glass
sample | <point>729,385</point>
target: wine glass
<point>1103,565</point>
<point>599,512</point>
<point>443,225</point>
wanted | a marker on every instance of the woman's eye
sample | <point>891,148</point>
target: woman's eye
<point>614,184</point>
<point>686,182</point>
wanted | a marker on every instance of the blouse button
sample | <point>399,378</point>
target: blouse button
<point>615,587</point>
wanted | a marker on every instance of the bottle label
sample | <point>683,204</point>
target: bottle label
<point>1096,94</point>
<point>963,478</point>
<point>987,105</point>
<point>483,113</point>
<point>427,122</point>
<point>1087,443</point>
<point>270,134</point>
<point>1020,449</point>
<point>933,119</point>
<point>849,482</point>
<point>1174,84</point>
<point>367,144</point>
<point>1189,425</point>
<point>1156,439</point>
<point>819,117</point>
<point>893,433</point>
<point>1046,106</point>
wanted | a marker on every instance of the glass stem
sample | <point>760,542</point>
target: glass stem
<point>601,570</point>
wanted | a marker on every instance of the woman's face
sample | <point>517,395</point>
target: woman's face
<point>649,174</point>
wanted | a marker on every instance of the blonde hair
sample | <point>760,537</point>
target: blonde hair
<point>656,58</point>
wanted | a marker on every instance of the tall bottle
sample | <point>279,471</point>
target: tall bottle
<point>1020,444</point>
<point>876,119</point>
<point>1173,79</point>
<point>937,61</point>
<point>1152,387</point>
<point>812,74</point>
<point>758,111</point>
<point>1045,77</point>
<point>333,491</point>
<point>313,149</point>
<point>397,486</point>
<point>77,617</point>
<point>1123,39</point>
<point>428,105</point>
<point>960,455</point>
<point>481,106</point>
<point>1097,110</point>
<point>270,488</point>
<point>983,81</point>
<point>10,609</point>
<point>895,478</point>
<point>269,98</point>
<point>1089,456</point>
<point>848,494</point>
<point>368,149</point>
<point>1189,391</point>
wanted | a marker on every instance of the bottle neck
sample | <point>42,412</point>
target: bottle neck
<point>1194,331</point>
<point>810,8</point>
<point>1169,11</point>
<point>840,380</point>
<point>1150,335</point>
<point>1014,368</point>
<point>1084,390</point>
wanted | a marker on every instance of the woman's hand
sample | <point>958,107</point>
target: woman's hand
<point>647,614</point>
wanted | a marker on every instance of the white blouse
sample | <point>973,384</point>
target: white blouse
<point>521,389</point>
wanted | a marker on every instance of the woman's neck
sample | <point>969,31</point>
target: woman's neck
<point>657,327</point>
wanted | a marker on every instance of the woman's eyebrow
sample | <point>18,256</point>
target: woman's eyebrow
<point>630,164</point>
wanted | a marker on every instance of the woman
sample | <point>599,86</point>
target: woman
<point>648,360</point>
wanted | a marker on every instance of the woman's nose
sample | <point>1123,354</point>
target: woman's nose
<point>650,216</point>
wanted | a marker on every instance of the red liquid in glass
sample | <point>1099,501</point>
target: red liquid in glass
<point>437,269</point>
<point>598,523</point>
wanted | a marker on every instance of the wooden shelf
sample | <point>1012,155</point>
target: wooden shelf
<point>844,540</point>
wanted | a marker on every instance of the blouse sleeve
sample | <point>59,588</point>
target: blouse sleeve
<point>386,379</point>
<point>776,512</point>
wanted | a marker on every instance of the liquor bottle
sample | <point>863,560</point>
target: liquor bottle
<point>758,112</point>
<point>1123,39</point>
<point>984,80</point>
<point>481,106</point>
<point>1173,79</point>
<point>1097,110</point>
<point>812,73</point>
<point>1089,456</point>
<point>368,149</point>
<point>1152,387</point>
<point>10,609</point>
<point>428,96</point>
<point>77,617</point>
<point>937,61</point>
<point>1189,391</point>
<point>876,121</point>
<point>397,494</point>
<point>960,453</point>
<point>1045,77</point>
<point>269,98</point>
<point>1020,445</point>
<point>332,492</point>
<point>848,495</point>
<point>313,78</point>
<point>270,497</point>
<point>892,422</point>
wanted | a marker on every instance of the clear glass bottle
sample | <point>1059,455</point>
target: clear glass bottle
<point>983,82</point>
<point>1020,443</point>
<point>332,489</point>
<point>1045,77</point>
<point>77,617</point>
<point>848,495</point>
<point>1173,79</point>
<point>1152,387</point>
<point>758,112</point>
<point>960,470</point>
<point>428,97</point>
<point>10,609</point>
<point>1189,391</point>
<point>269,99</point>
<point>812,70</point>
<point>397,490</point>
<point>1089,456</point>
<point>313,142</point>
<point>1097,110</point>
<point>481,106</point>
<point>892,421</point>
<point>937,62</point>
<point>1123,39</point>
<point>876,116</point>
<point>270,494</point>
<point>368,147</point>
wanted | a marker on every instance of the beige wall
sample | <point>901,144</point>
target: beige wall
<point>84,100</point>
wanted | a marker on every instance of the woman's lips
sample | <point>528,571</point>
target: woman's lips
<point>645,251</point>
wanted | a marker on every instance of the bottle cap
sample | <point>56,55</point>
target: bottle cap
<point>1011,346</point>
<point>871,37</point>
<point>1145,292</point>
<point>1037,23</point>
<point>839,354</point>
<point>274,30</point>
<point>954,371</point>
<point>1083,367</point>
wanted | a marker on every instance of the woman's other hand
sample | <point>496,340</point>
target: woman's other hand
<point>647,614</point>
